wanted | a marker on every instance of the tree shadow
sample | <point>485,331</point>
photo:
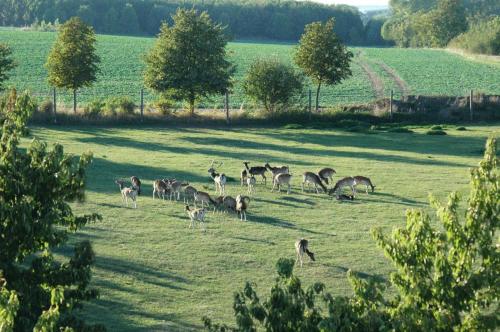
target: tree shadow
<point>267,242</point>
<point>396,199</point>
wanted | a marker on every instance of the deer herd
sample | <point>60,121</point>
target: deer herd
<point>281,178</point>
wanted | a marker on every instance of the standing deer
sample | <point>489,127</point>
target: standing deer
<point>301,247</point>
<point>281,180</point>
<point>243,177</point>
<point>196,215</point>
<point>204,198</point>
<point>189,192</point>
<point>361,180</point>
<point>159,188</point>
<point>256,170</point>
<point>127,193</point>
<point>229,203</point>
<point>175,188</point>
<point>345,182</point>
<point>310,177</point>
<point>242,203</point>
<point>326,173</point>
<point>136,184</point>
<point>219,179</point>
<point>251,181</point>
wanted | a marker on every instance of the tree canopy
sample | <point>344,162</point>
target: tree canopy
<point>188,60</point>
<point>38,292</point>
<point>73,62</point>
<point>322,56</point>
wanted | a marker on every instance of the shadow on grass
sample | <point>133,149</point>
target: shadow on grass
<point>395,199</point>
<point>254,240</point>
<point>362,275</point>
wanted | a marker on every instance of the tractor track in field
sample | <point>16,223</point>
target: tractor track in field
<point>402,85</point>
<point>375,81</point>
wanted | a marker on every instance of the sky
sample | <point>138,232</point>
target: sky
<point>356,2</point>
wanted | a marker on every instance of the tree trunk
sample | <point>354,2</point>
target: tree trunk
<point>74,100</point>
<point>191,107</point>
<point>317,96</point>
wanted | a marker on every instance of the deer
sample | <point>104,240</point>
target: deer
<point>136,184</point>
<point>251,181</point>
<point>127,193</point>
<point>361,180</point>
<point>345,182</point>
<point>281,180</point>
<point>243,177</point>
<point>189,192</point>
<point>301,247</point>
<point>204,198</point>
<point>326,173</point>
<point>175,187</point>
<point>242,203</point>
<point>219,179</point>
<point>310,177</point>
<point>229,203</point>
<point>196,215</point>
<point>256,170</point>
<point>159,188</point>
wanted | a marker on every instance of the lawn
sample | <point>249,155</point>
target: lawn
<point>420,71</point>
<point>154,273</point>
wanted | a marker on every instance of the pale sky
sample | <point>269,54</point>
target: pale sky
<point>356,2</point>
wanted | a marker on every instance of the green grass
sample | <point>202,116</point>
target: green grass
<point>156,274</point>
<point>425,71</point>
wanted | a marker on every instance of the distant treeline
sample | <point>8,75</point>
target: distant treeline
<point>245,19</point>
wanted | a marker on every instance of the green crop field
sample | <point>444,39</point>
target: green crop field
<point>430,72</point>
<point>155,274</point>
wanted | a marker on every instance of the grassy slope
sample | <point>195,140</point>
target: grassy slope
<point>156,274</point>
<point>426,71</point>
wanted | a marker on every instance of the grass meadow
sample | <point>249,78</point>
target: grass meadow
<point>155,274</point>
<point>406,71</point>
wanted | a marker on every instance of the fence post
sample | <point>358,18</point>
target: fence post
<point>54,104</point>
<point>390,104</point>
<point>471,109</point>
<point>226,106</point>
<point>142,104</point>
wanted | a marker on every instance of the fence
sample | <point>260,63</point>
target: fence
<point>395,101</point>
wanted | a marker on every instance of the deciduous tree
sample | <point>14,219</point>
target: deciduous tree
<point>189,60</point>
<point>73,61</point>
<point>322,56</point>
<point>6,63</point>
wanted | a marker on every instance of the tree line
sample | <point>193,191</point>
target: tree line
<point>245,19</point>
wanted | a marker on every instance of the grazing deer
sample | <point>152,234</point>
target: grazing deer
<point>301,247</point>
<point>242,203</point>
<point>136,184</point>
<point>204,198</point>
<point>243,177</point>
<point>277,170</point>
<point>310,177</point>
<point>342,197</point>
<point>159,188</point>
<point>361,180</point>
<point>196,215</point>
<point>281,180</point>
<point>326,173</point>
<point>219,201</point>
<point>127,193</point>
<point>256,170</point>
<point>345,182</point>
<point>229,203</point>
<point>189,192</point>
<point>251,181</point>
<point>219,179</point>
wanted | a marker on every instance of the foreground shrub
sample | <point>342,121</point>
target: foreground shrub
<point>17,109</point>
<point>445,277</point>
<point>437,127</point>
<point>46,107</point>
<point>94,109</point>
<point>121,105</point>
<point>461,129</point>
<point>272,84</point>
<point>436,132</point>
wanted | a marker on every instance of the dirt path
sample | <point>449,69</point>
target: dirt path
<point>375,81</point>
<point>402,85</point>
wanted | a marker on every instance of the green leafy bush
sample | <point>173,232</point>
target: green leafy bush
<point>461,128</point>
<point>437,127</point>
<point>94,109</point>
<point>46,107</point>
<point>436,132</point>
<point>119,106</point>
<point>483,38</point>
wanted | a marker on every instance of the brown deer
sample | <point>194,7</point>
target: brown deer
<point>204,198</point>
<point>136,184</point>
<point>326,174</point>
<point>127,193</point>
<point>159,188</point>
<point>301,247</point>
<point>281,180</point>
<point>243,177</point>
<point>345,182</point>
<point>361,180</point>
<point>256,170</point>
<point>310,177</point>
<point>189,192</point>
<point>242,203</point>
<point>196,215</point>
